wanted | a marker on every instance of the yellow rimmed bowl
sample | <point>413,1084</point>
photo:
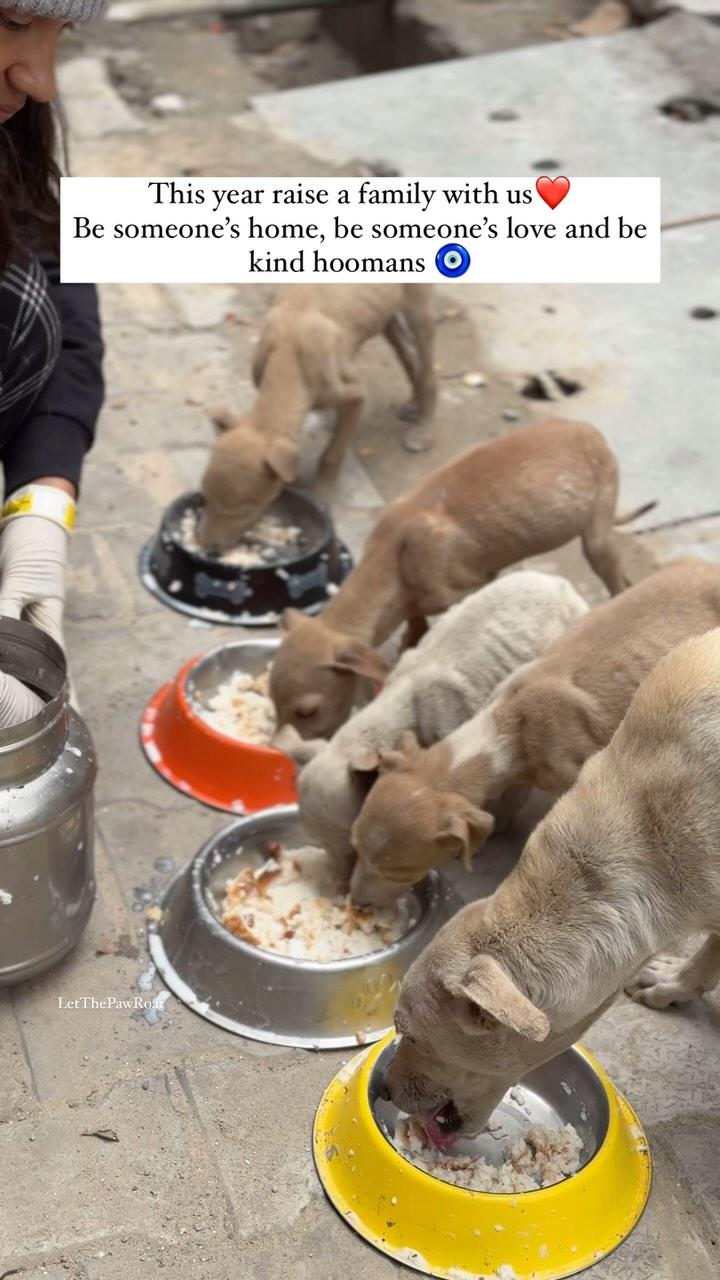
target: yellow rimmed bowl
<point>449,1232</point>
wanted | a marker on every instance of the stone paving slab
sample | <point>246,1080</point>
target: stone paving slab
<point>270,1189</point>
<point>617,338</point>
<point>127,305</point>
<point>64,1183</point>
<point>695,538</point>
<point>440,116</point>
<point>94,108</point>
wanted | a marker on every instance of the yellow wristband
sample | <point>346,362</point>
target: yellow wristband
<point>40,500</point>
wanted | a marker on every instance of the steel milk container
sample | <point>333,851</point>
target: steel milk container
<point>47,774</point>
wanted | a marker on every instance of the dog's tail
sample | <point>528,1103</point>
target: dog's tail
<point>629,516</point>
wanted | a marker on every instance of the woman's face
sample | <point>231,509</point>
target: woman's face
<point>28,47</point>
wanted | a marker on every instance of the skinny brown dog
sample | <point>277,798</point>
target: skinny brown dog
<point>305,360</point>
<point>427,806</point>
<point>626,863</point>
<point>527,493</point>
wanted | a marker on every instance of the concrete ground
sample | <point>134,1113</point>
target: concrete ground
<point>211,1174</point>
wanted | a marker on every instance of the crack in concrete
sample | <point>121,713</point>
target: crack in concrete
<point>26,1050</point>
<point>230,1214</point>
<point>676,524</point>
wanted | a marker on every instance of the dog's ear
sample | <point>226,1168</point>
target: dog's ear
<point>489,993</point>
<point>364,760</point>
<point>290,619</point>
<point>281,459</point>
<point>311,747</point>
<point>355,658</point>
<point>408,754</point>
<point>222,418</point>
<point>300,750</point>
<point>466,827</point>
<point>389,760</point>
<point>410,747</point>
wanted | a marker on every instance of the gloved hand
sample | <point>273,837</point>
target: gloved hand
<point>17,703</point>
<point>33,552</point>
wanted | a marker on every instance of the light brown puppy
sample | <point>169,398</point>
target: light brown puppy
<point>429,806</point>
<point>306,359</point>
<point>521,495</point>
<point>625,863</point>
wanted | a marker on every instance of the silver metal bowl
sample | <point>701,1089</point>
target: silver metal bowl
<point>271,997</point>
<point>565,1090</point>
<point>221,663</point>
<point>47,776</point>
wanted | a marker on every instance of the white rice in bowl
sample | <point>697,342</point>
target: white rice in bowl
<point>292,906</point>
<point>542,1157</point>
<point>241,708</point>
<point>265,543</point>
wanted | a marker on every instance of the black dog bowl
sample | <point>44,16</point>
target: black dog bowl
<point>204,587</point>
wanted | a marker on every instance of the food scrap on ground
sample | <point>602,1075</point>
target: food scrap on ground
<point>290,905</point>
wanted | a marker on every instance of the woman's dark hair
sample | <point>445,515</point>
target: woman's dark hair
<point>29,183</point>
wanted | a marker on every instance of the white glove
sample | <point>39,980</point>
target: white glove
<point>33,552</point>
<point>17,703</point>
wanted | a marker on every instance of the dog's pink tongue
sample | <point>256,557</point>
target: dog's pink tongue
<point>437,1135</point>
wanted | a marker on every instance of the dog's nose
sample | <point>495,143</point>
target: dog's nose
<point>385,1093</point>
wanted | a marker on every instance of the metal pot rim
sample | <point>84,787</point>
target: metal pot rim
<point>26,639</point>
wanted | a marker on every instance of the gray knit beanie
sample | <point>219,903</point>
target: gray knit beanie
<point>63,10</point>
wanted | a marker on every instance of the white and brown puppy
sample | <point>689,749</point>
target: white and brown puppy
<point>491,506</point>
<point>429,806</point>
<point>624,864</point>
<point>453,671</point>
<point>306,360</point>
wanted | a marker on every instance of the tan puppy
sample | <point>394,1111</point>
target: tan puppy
<point>494,504</point>
<point>306,359</point>
<point>546,720</point>
<point>623,865</point>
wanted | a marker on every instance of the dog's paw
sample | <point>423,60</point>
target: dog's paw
<point>408,411</point>
<point>417,440</point>
<point>659,984</point>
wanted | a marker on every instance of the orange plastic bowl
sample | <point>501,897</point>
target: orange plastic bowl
<point>237,777</point>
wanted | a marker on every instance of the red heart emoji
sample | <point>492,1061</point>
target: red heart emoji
<point>552,190</point>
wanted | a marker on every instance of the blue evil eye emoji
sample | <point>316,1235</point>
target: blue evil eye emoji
<point>452,260</point>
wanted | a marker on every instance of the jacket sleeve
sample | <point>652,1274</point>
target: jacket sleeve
<point>60,428</point>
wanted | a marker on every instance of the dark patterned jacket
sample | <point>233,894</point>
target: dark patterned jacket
<point>51,379</point>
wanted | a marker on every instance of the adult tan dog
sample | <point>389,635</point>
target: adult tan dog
<point>521,495</point>
<point>306,359</point>
<point>451,674</point>
<point>546,720</point>
<point>624,864</point>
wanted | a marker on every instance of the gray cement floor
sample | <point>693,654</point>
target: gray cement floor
<point>212,1175</point>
